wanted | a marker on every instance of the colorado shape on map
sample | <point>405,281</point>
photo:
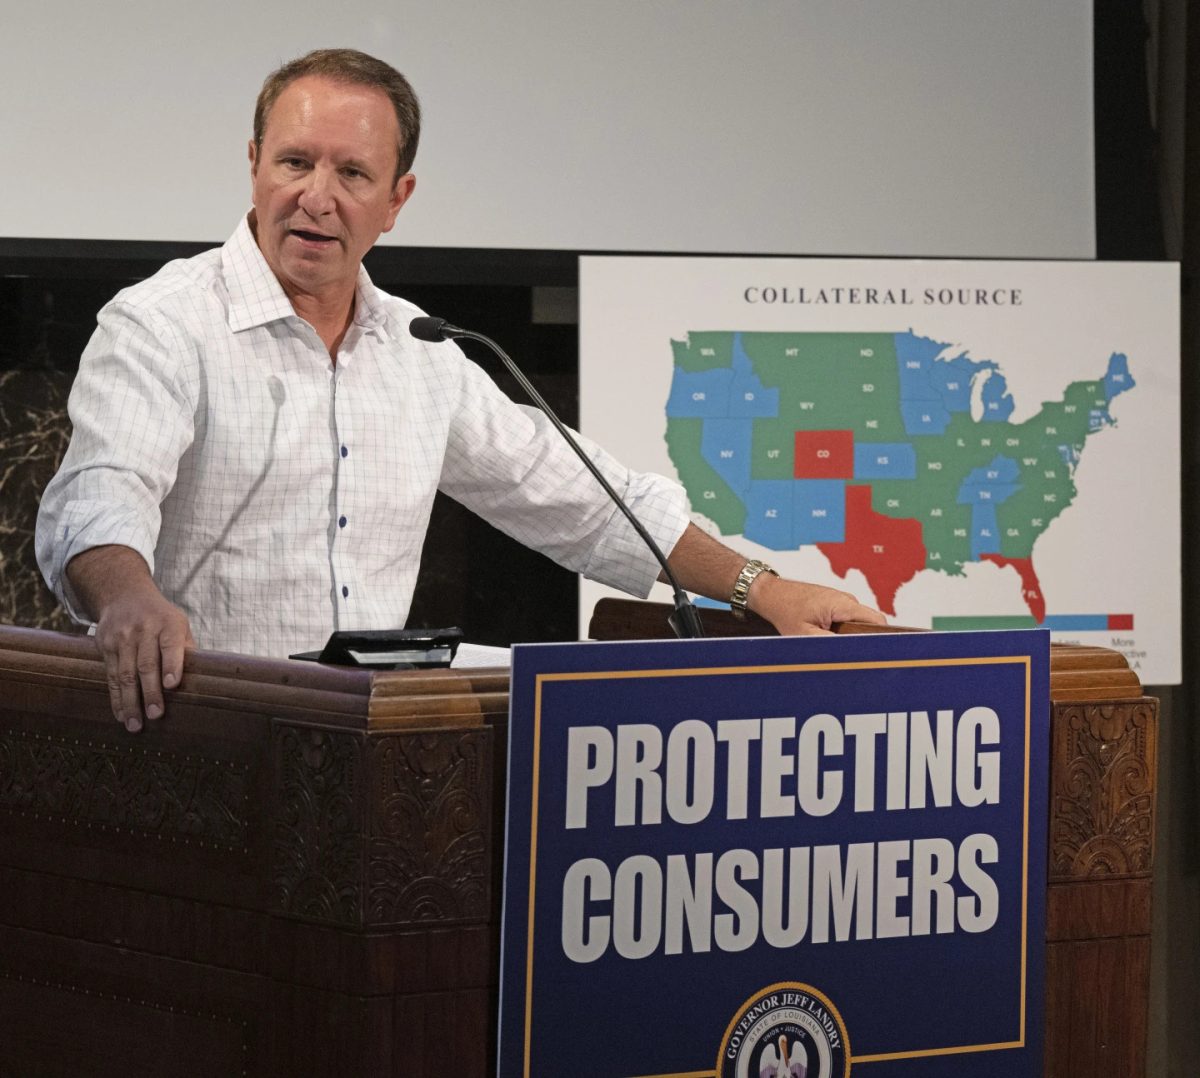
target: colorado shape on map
<point>878,449</point>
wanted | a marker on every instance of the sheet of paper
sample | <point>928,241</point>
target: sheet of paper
<point>470,655</point>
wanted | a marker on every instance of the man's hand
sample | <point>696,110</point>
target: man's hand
<point>141,636</point>
<point>798,609</point>
<point>142,639</point>
<point>795,609</point>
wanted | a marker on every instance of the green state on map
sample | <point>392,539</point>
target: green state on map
<point>879,449</point>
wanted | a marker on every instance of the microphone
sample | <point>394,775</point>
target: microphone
<point>685,620</point>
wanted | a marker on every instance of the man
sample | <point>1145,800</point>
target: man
<point>258,439</point>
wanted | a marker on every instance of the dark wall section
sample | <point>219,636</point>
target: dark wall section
<point>1128,219</point>
<point>1147,193</point>
<point>42,330</point>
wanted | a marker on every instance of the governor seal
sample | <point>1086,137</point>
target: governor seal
<point>786,1030</point>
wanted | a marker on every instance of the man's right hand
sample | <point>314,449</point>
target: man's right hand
<point>140,635</point>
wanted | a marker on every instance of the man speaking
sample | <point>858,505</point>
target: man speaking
<point>258,438</point>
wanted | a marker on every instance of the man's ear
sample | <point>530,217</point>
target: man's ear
<point>401,193</point>
<point>253,155</point>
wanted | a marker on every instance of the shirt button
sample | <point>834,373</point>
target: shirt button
<point>341,522</point>
<point>345,592</point>
<point>345,451</point>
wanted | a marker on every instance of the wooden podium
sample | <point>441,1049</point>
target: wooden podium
<point>297,871</point>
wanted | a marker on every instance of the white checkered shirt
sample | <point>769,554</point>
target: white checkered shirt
<point>276,496</point>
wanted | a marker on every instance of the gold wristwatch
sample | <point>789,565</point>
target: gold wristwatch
<point>741,587</point>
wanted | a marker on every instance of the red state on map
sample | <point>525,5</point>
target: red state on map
<point>824,454</point>
<point>1031,589</point>
<point>888,551</point>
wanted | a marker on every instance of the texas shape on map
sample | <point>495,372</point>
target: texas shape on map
<point>878,449</point>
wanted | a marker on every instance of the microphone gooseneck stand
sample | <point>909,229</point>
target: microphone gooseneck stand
<point>685,619</point>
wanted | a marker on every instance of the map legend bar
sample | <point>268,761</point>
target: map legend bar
<point>1063,623</point>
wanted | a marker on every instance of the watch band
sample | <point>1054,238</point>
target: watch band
<point>741,587</point>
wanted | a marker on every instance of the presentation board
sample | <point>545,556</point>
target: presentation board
<point>983,444</point>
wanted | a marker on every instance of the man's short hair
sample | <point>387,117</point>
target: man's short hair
<point>358,69</point>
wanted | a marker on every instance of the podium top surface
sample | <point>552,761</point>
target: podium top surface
<point>283,688</point>
<point>1076,673</point>
<point>378,700</point>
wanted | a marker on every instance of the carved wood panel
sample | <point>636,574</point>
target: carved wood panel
<point>174,797</point>
<point>1102,789</point>
<point>317,839</point>
<point>429,848</point>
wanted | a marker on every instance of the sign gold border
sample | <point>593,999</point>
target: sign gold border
<point>788,668</point>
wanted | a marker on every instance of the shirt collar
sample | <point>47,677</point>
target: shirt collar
<point>369,310</point>
<point>256,297</point>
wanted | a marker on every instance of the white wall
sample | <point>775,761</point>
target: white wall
<point>873,127</point>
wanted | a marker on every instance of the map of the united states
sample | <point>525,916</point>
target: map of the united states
<point>884,451</point>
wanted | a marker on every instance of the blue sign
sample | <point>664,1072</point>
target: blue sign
<point>777,858</point>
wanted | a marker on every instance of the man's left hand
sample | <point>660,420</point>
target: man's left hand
<point>705,565</point>
<point>799,609</point>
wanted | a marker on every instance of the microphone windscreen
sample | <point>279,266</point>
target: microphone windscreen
<point>427,328</point>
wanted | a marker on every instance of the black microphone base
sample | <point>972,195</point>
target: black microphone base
<point>685,621</point>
